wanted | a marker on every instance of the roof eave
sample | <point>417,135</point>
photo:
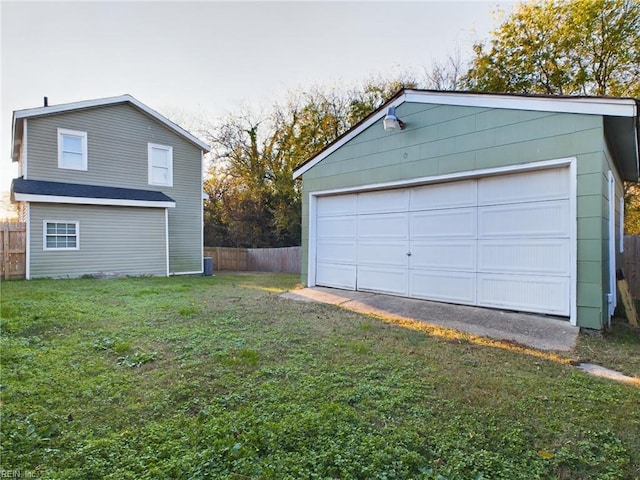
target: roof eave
<point>68,107</point>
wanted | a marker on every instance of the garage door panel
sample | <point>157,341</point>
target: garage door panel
<point>336,275</point>
<point>531,220</point>
<point>527,293</point>
<point>449,223</point>
<point>524,187</point>
<point>444,195</point>
<point>449,255</point>
<point>453,287</point>
<point>383,226</point>
<point>336,251</point>
<point>383,279</point>
<point>337,227</point>
<point>388,253</point>
<point>384,201</point>
<point>337,205</point>
<point>534,256</point>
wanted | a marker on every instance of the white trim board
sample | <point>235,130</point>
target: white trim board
<point>27,273</point>
<point>570,162</point>
<point>617,107</point>
<point>166,238</point>
<point>451,177</point>
<point>27,197</point>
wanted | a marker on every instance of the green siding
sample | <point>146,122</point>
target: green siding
<point>117,138</point>
<point>442,140</point>
<point>122,240</point>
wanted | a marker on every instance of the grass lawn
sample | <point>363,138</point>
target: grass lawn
<point>219,377</point>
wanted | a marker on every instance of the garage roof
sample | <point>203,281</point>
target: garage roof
<point>621,122</point>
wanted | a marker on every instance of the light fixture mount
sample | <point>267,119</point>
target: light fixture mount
<point>391,121</point>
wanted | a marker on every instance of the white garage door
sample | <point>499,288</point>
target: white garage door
<point>499,241</point>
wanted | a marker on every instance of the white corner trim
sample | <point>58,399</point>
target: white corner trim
<point>27,197</point>
<point>613,294</point>
<point>166,236</point>
<point>27,273</point>
<point>573,239</point>
<point>202,209</point>
<point>25,151</point>
<point>312,244</point>
<point>621,221</point>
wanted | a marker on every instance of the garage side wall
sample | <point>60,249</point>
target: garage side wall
<point>441,140</point>
<point>122,240</point>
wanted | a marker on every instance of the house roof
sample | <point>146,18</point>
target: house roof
<point>20,115</point>
<point>58,192</point>
<point>621,121</point>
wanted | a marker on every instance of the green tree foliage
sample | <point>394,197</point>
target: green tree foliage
<point>253,199</point>
<point>589,47</point>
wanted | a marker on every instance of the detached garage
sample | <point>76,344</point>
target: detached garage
<point>499,201</point>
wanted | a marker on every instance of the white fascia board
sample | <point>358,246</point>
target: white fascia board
<point>616,107</point>
<point>348,136</point>
<point>27,273</point>
<point>67,107</point>
<point>26,197</point>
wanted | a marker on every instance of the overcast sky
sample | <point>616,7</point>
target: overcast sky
<point>213,57</point>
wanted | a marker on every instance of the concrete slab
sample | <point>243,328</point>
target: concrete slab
<point>536,331</point>
<point>598,371</point>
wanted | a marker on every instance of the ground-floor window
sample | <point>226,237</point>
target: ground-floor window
<point>61,235</point>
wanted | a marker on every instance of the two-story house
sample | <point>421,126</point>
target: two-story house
<point>108,186</point>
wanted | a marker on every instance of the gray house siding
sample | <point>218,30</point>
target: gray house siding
<point>442,139</point>
<point>117,138</point>
<point>122,240</point>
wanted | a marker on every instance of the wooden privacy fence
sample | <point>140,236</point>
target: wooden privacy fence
<point>286,259</point>
<point>631,263</point>
<point>13,243</point>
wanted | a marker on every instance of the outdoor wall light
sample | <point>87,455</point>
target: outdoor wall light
<point>391,121</point>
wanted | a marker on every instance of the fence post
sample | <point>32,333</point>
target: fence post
<point>5,250</point>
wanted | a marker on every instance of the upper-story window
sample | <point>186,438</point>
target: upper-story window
<point>160,165</point>
<point>72,149</point>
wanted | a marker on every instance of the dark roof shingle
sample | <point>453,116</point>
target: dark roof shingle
<point>58,189</point>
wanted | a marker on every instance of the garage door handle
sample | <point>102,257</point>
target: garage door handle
<point>408,254</point>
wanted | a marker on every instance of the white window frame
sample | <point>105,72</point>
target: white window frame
<point>44,235</point>
<point>169,150</point>
<point>62,132</point>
